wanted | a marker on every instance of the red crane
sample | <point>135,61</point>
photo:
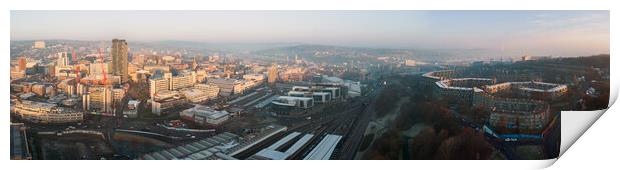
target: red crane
<point>105,79</point>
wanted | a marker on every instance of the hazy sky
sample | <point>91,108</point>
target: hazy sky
<point>549,32</point>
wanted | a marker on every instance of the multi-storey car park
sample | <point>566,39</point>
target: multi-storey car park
<point>518,110</point>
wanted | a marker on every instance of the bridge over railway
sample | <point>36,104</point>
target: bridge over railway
<point>154,135</point>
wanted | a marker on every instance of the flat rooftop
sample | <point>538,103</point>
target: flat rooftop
<point>325,148</point>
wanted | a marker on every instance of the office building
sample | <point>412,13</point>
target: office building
<point>184,79</point>
<point>212,91</point>
<point>159,82</point>
<point>98,98</point>
<point>166,81</point>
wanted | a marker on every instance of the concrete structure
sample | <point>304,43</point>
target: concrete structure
<point>212,91</point>
<point>119,59</point>
<point>39,112</point>
<point>204,115</point>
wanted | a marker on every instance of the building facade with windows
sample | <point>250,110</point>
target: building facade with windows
<point>39,112</point>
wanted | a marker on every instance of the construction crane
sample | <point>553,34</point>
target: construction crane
<point>105,79</point>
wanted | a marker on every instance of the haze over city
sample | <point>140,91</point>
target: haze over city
<point>557,33</point>
<point>302,85</point>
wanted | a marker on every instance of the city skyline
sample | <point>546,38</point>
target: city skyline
<point>318,99</point>
<point>562,33</point>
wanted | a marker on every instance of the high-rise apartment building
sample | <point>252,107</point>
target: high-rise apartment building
<point>119,59</point>
<point>166,81</point>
